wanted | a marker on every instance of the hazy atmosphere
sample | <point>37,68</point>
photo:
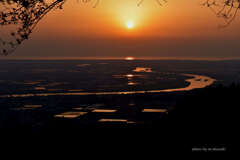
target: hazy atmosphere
<point>151,75</point>
<point>177,29</point>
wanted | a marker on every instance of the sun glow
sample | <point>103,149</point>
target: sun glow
<point>129,58</point>
<point>130,25</point>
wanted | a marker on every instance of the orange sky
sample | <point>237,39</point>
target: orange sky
<point>81,29</point>
<point>184,18</point>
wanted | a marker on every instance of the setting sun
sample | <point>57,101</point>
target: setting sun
<point>130,24</point>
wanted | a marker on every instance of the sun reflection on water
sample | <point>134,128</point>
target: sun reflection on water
<point>129,58</point>
<point>142,69</point>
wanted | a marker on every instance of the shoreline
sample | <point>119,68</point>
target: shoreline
<point>198,81</point>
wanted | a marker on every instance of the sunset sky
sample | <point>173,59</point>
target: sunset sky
<point>178,29</point>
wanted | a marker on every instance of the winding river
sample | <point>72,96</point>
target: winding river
<point>196,81</point>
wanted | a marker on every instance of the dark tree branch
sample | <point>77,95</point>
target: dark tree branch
<point>226,9</point>
<point>25,14</point>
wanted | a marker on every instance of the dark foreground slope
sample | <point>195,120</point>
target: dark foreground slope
<point>207,117</point>
<point>200,118</point>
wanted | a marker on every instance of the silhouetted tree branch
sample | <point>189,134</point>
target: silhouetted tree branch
<point>226,9</point>
<point>25,14</point>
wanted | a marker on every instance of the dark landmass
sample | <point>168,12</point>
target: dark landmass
<point>198,118</point>
<point>24,76</point>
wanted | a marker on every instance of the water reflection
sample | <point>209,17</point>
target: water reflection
<point>129,75</point>
<point>54,90</point>
<point>116,120</point>
<point>132,83</point>
<point>155,110</point>
<point>28,107</point>
<point>39,88</point>
<point>80,111</point>
<point>129,58</point>
<point>70,114</point>
<point>104,110</point>
<point>193,84</point>
<point>142,69</point>
<point>75,90</point>
<point>89,107</point>
<point>31,83</point>
<point>83,65</point>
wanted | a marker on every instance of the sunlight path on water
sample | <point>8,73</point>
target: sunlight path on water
<point>198,81</point>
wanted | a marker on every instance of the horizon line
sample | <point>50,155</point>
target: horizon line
<point>121,58</point>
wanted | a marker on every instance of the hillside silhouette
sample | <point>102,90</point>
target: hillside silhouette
<point>201,118</point>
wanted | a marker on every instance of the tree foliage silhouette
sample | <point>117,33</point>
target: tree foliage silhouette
<point>25,15</point>
<point>226,9</point>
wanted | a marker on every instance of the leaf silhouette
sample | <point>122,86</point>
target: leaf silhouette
<point>21,17</point>
<point>226,9</point>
